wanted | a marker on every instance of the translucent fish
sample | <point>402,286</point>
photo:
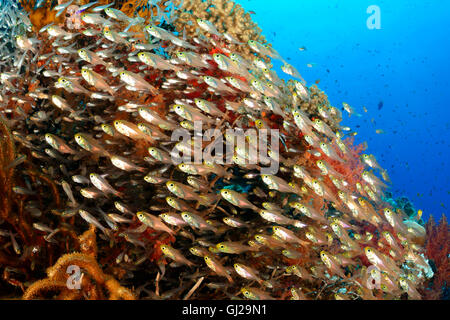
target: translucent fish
<point>237,199</point>
<point>153,222</point>
<point>136,82</point>
<point>217,267</point>
<point>255,294</point>
<point>103,185</point>
<point>175,255</point>
<point>208,27</point>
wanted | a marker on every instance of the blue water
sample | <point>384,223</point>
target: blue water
<point>404,65</point>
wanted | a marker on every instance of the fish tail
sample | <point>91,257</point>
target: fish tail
<point>298,224</point>
<point>119,194</point>
<point>149,139</point>
<point>207,199</point>
<point>111,91</point>
<point>141,169</point>
<point>228,175</point>
<point>107,232</point>
<point>255,208</point>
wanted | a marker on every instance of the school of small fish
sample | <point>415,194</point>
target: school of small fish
<point>94,108</point>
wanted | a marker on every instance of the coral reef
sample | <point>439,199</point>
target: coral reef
<point>437,250</point>
<point>92,109</point>
<point>25,249</point>
<point>227,16</point>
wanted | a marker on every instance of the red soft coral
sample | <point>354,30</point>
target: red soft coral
<point>437,245</point>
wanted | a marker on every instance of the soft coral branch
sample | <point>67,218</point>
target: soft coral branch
<point>437,250</point>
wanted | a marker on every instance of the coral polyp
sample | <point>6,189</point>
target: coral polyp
<point>152,147</point>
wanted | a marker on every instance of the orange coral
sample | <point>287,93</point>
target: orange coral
<point>41,16</point>
<point>93,282</point>
<point>45,14</point>
<point>136,6</point>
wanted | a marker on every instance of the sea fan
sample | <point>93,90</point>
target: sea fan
<point>437,250</point>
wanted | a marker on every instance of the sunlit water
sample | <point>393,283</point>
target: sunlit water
<point>400,73</point>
